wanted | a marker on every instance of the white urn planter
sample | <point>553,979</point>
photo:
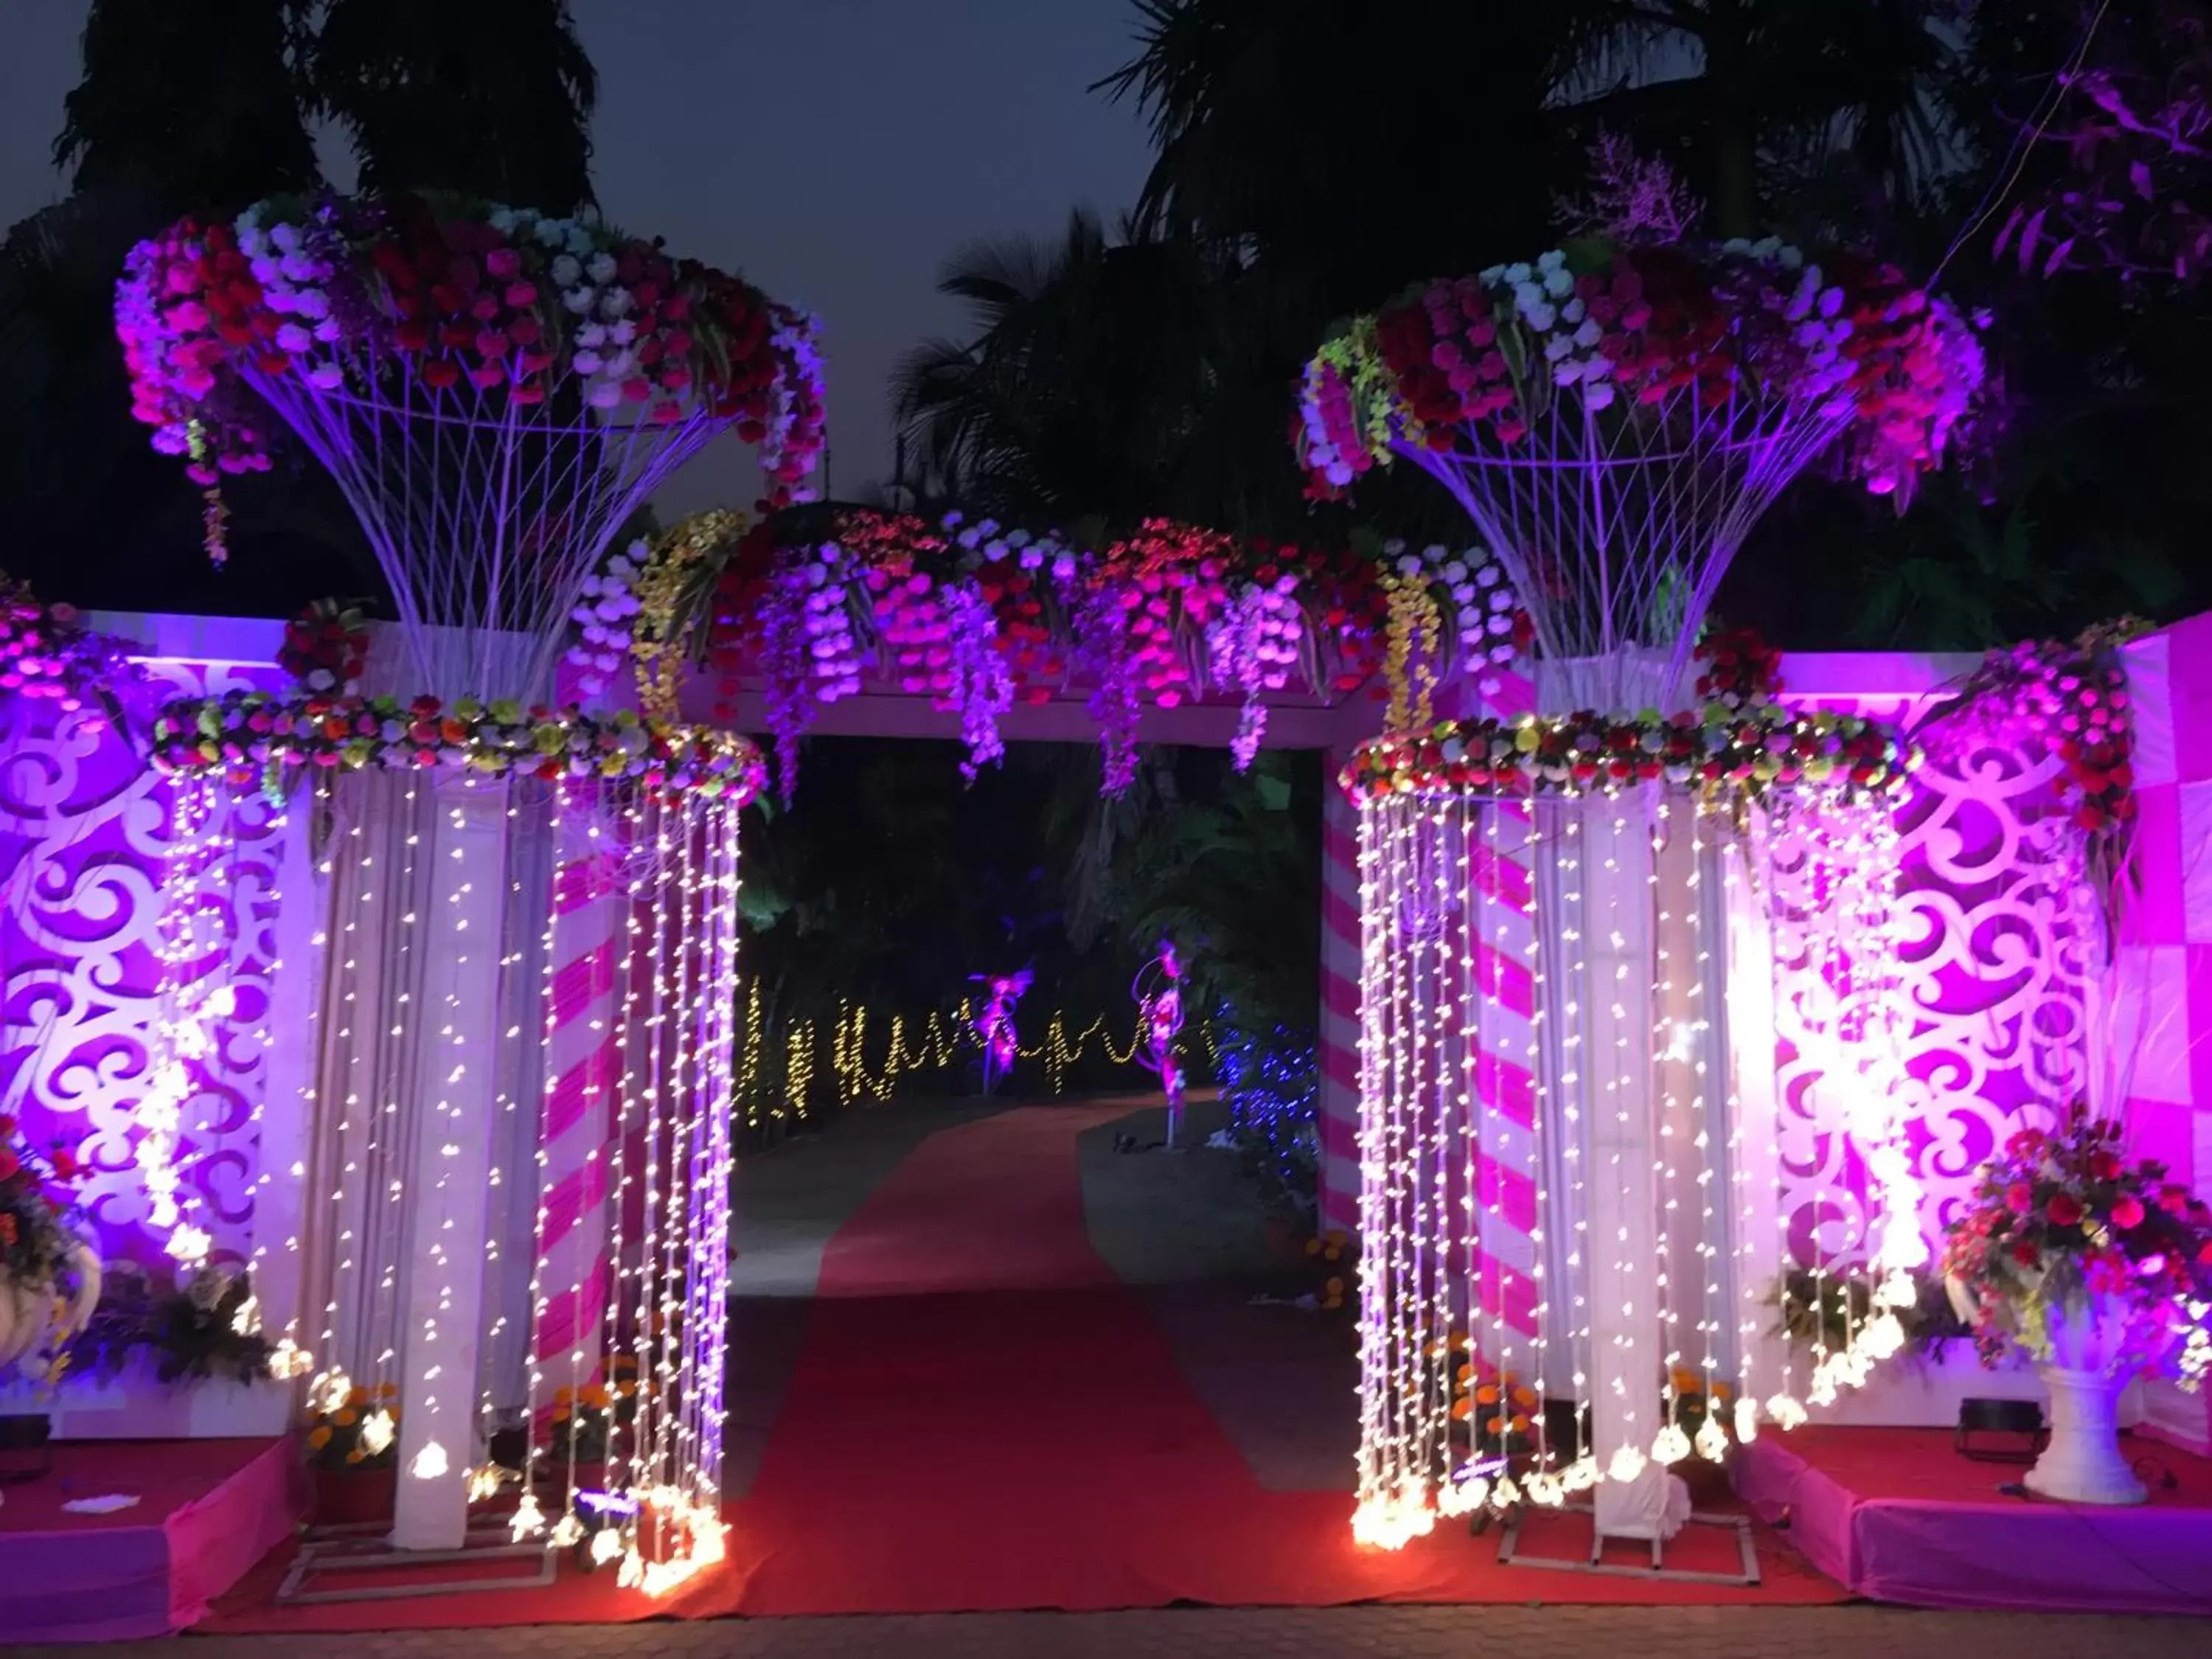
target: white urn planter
<point>2094,1346</point>
<point>31,1316</point>
<point>2086,1374</point>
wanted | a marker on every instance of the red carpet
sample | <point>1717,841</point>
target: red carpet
<point>982,1417</point>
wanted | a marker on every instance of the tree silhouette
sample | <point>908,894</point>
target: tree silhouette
<point>490,98</point>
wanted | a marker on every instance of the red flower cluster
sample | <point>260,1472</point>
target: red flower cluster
<point>326,648</point>
<point>1742,669</point>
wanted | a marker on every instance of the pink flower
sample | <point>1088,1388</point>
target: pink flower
<point>2018,1198</point>
<point>2064,1210</point>
<point>2127,1213</point>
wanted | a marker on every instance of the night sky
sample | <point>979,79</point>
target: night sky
<point>837,152</point>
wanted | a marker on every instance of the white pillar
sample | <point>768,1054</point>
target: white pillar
<point>288,1079</point>
<point>449,1164</point>
<point>1621,1122</point>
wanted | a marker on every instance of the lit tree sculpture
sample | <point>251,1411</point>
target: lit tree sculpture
<point>1562,907</point>
<point>529,903</point>
<point>1158,992</point>
<point>994,1026</point>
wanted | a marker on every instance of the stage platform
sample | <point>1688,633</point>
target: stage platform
<point>206,1511</point>
<point>1897,1515</point>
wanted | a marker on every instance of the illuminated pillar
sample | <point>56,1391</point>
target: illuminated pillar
<point>449,1166</point>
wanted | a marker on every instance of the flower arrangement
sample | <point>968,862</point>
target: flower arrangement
<point>1741,671</point>
<point>2072,697</point>
<point>359,296</point>
<point>354,1428</point>
<point>1640,329</point>
<point>326,646</point>
<point>247,734</point>
<point>1589,753</point>
<point>49,1277</point>
<point>2061,1216</point>
<point>47,654</point>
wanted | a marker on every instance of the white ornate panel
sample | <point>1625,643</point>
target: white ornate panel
<point>84,825</point>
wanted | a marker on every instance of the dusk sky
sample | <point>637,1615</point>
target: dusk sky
<point>837,152</point>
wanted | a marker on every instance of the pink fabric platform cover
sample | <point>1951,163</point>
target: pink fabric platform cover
<point>1896,1515</point>
<point>206,1511</point>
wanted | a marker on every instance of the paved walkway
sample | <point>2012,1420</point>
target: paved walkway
<point>1385,1632</point>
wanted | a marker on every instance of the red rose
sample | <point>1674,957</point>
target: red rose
<point>2024,1254</point>
<point>2127,1213</point>
<point>2018,1198</point>
<point>2064,1210</point>
<point>9,1162</point>
<point>7,1125</point>
<point>2105,1166</point>
<point>65,1163</point>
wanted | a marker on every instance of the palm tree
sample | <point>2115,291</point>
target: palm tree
<point>490,99</point>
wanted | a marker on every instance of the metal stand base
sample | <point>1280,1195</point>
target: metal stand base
<point>368,1549</point>
<point>1741,1524</point>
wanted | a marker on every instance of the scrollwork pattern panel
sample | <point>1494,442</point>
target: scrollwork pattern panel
<point>2002,943</point>
<point>84,827</point>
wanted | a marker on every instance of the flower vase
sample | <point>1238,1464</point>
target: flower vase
<point>2087,1371</point>
<point>33,1317</point>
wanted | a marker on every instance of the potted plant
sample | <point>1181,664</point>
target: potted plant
<point>2099,1272</point>
<point>48,1275</point>
<point>353,1446</point>
<point>585,1425</point>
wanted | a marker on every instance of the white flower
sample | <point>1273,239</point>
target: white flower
<point>327,330</point>
<point>1574,310</point>
<point>551,233</point>
<point>503,219</point>
<point>1538,317</point>
<point>592,335</point>
<point>1455,571</point>
<point>285,238</point>
<point>624,332</point>
<point>1410,565</point>
<point>579,301</point>
<point>291,337</point>
<point>580,239</point>
<point>1489,274</point>
<point>614,302</point>
<point>1559,283</point>
<point>621,363</point>
<point>1559,347</point>
<point>1555,260</point>
<point>567,269</point>
<point>1590,333</point>
<point>329,376</point>
<point>604,394</point>
<point>1517,274</point>
<point>601,268</point>
<point>1597,394</point>
<point>586,362</point>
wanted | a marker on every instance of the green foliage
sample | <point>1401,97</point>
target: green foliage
<point>187,1335</point>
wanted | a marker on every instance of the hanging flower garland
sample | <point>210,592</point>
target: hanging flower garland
<point>48,655</point>
<point>1633,325</point>
<point>606,615</point>
<point>511,301</point>
<point>975,617</point>
<point>1588,754</point>
<point>250,735</point>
